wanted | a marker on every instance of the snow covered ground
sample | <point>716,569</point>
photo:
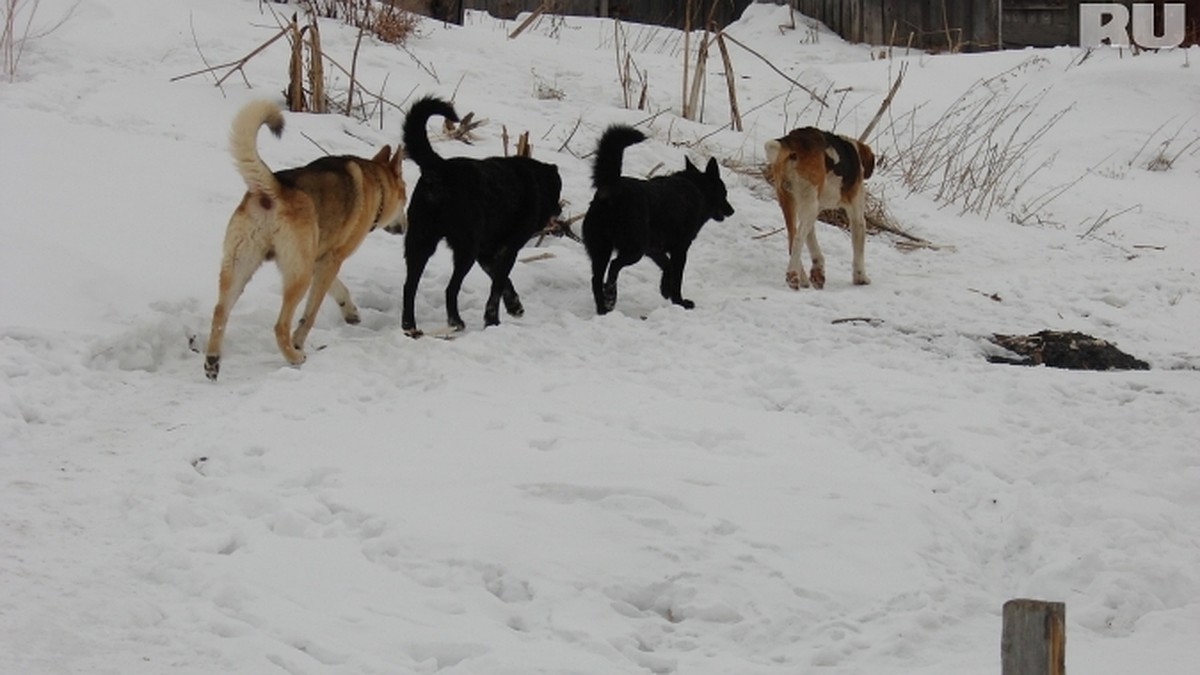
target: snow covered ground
<point>748,487</point>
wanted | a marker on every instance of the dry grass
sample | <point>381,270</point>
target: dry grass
<point>976,153</point>
<point>390,22</point>
<point>877,216</point>
<point>19,30</point>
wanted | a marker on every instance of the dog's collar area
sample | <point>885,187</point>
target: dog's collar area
<point>379,212</point>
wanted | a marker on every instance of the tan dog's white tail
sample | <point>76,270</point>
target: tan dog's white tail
<point>772,147</point>
<point>243,144</point>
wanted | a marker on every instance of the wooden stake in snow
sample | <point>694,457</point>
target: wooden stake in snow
<point>1034,638</point>
<point>530,19</point>
<point>735,117</point>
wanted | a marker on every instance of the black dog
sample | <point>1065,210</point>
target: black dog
<point>659,217</point>
<point>485,209</point>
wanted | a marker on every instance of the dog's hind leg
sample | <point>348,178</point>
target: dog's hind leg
<point>463,260</point>
<point>502,289</point>
<point>623,260</point>
<point>341,295</point>
<point>295,264</point>
<point>817,271</point>
<point>787,205</point>
<point>240,262</point>
<point>416,255</point>
<point>599,253</point>
<point>806,209</point>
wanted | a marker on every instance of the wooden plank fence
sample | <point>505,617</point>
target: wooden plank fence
<point>658,12</point>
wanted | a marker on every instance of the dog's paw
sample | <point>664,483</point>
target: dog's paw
<point>212,367</point>
<point>796,280</point>
<point>489,319</point>
<point>413,332</point>
<point>861,279</point>
<point>458,326</point>
<point>817,276</point>
<point>686,304</point>
<point>297,359</point>
<point>610,296</point>
<point>514,308</point>
<point>353,318</point>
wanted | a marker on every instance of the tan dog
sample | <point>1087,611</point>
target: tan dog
<point>812,170</point>
<point>308,219</point>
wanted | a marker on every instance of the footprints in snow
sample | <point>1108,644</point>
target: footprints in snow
<point>244,509</point>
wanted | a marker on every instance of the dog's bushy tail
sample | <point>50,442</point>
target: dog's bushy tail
<point>416,138</point>
<point>610,152</point>
<point>243,144</point>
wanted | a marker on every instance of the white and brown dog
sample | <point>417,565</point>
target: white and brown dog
<point>811,170</point>
<point>308,220</point>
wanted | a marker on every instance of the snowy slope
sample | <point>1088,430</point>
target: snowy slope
<point>748,487</point>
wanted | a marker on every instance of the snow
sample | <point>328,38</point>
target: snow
<point>748,487</point>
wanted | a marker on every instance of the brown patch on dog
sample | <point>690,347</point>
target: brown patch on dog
<point>812,170</point>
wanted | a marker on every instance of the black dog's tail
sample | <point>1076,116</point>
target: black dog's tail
<point>416,139</point>
<point>607,169</point>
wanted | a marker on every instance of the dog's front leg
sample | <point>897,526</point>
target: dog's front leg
<point>324,276</point>
<point>665,283</point>
<point>858,239</point>
<point>512,301</point>
<point>678,260</point>
<point>341,295</point>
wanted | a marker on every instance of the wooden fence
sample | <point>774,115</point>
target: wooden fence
<point>941,25</point>
<point>965,25</point>
<point>658,12</point>
<point>937,25</point>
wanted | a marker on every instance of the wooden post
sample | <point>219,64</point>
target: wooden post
<point>1034,638</point>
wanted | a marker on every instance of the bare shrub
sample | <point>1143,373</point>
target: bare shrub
<point>392,24</point>
<point>1163,157</point>
<point>545,91</point>
<point>389,21</point>
<point>976,153</point>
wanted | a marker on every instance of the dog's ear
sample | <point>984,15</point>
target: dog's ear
<point>688,166</point>
<point>384,154</point>
<point>712,170</point>
<point>867,158</point>
<point>395,165</point>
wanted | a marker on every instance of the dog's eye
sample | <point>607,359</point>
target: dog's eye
<point>792,156</point>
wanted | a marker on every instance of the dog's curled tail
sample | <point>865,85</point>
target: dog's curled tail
<point>610,151</point>
<point>416,138</point>
<point>243,143</point>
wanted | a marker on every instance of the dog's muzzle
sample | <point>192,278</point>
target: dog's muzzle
<point>399,225</point>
